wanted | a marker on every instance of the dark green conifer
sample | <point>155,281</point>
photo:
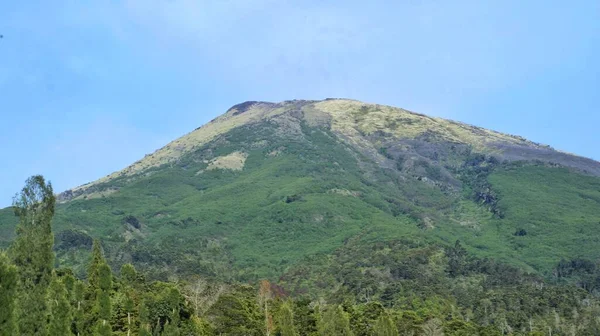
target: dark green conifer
<point>94,266</point>
<point>78,311</point>
<point>103,303</point>
<point>59,309</point>
<point>128,277</point>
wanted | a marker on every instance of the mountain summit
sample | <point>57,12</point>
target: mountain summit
<point>366,127</point>
<point>266,186</point>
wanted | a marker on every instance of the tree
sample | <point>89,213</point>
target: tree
<point>32,253</point>
<point>305,316</point>
<point>265,295</point>
<point>237,313</point>
<point>433,327</point>
<point>94,266</point>
<point>286,320</point>
<point>68,279</point>
<point>144,320</point>
<point>456,259</point>
<point>385,326</point>
<point>334,322</point>
<point>129,307</point>
<point>103,304</point>
<point>128,276</point>
<point>172,327</point>
<point>78,317</point>
<point>59,309</point>
<point>8,289</point>
<point>203,294</point>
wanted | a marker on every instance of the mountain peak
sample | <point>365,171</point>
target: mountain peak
<point>361,125</point>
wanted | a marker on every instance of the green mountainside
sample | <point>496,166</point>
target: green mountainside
<point>265,187</point>
<point>314,218</point>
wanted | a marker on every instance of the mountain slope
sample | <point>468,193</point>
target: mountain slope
<point>254,192</point>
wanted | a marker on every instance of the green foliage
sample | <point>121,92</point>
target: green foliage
<point>77,305</point>
<point>385,326</point>
<point>285,320</point>
<point>69,305</point>
<point>144,315</point>
<point>103,306</point>
<point>94,265</point>
<point>557,208</point>
<point>305,317</point>
<point>375,287</point>
<point>103,329</point>
<point>510,252</point>
<point>421,281</point>
<point>306,192</point>
<point>363,316</point>
<point>104,277</point>
<point>32,253</point>
<point>170,329</point>
<point>334,322</point>
<point>237,314</point>
<point>59,312</point>
<point>128,274</point>
<point>8,289</point>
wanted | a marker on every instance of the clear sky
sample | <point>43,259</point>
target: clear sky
<point>88,87</point>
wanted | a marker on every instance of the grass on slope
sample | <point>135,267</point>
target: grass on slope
<point>558,210</point>
<point>549,214</point>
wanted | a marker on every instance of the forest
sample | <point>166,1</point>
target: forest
<point>431,290</point>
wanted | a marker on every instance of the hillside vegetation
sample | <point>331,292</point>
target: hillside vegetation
<point>344,217</point>
<point>256,190</point>
<point>392,288</point>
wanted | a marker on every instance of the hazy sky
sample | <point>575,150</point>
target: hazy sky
<point>88,87</point>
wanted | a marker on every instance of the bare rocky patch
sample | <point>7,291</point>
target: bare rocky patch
<point>233,161</point>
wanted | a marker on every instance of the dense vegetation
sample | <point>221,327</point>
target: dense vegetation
<point>303,193</point>
<point>395,288</point>
<point>284,227</point>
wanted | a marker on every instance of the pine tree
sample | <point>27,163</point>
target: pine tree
<point>94,266</point>
<point>32,253</point>
<point>286,320</point>
<point>91,296</point>
<point>8,289</point>
<point>335,322</point>
<point>128,276</point>
<point>103,304</point>
<point>385,326</point>
<point>59,309</point>
<point>78,313</point>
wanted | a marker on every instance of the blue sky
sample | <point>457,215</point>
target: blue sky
<point>88,87</point>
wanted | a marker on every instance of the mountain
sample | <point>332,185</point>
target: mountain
<point>266,188</point>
